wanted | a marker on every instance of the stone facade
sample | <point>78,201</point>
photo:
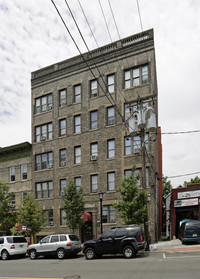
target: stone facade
<point>72,135</point>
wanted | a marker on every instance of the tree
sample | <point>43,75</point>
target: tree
<point>131,205</point>
<point>166,189</point>
<point>192,181</point>
<point>7,218</point>
<point>73,205</point>
<point>31,214</point>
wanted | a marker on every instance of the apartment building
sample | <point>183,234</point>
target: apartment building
<point>16,170</point>
<point>80,133</point>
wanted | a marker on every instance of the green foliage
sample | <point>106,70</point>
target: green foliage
<point>192,181</point>
<point>73,205</point>
<point>7,218</point>
<point>131,205</point>
<point>31,214</point>
<point>166,189</point>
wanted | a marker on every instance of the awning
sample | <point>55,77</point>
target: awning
<point>87,217</point>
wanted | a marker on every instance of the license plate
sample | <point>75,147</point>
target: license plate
<point>21,246</point>
<point>194,234</point>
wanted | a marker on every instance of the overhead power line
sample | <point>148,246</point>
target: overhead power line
<point>180,175</point>
<point>183,132</point>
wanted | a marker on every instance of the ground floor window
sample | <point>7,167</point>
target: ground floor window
<point>109,214</point>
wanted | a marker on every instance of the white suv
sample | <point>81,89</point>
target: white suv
<point>12,245</point>
<point>59,245</point>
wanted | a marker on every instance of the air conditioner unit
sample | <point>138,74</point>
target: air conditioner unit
<point>62,104</point>
<point>43,137</point>
<point>51,223</point>
<point>49,107</point>
<point>49,166</point>
<point>62,164</point>
<point>94,157</point>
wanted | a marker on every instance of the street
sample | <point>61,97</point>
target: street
<point>146,265</point>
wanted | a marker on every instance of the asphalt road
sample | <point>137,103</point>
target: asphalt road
<point>152,265</point>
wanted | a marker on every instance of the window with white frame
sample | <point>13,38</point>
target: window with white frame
<point>44,190</point>
<point>24,172</point>
<point>110,116</point>
<point>43,132</point>
<point>12,174</point>
<point>108,214</point>
<point>77,154</point>
<point>62,159</point>
<point>77,181</point>
<point>77,93</point>
<point>111,148</point>
<point>136,76</point>
<point>62,97</point>
<point>111,181</point>
<point>44,161</point>
<point>94,183</point>
<point>63,184</point>
<point>132,144</point>
<point>93,120</point>
<point>43,103</point>
<point>93,88</point>
<point>62,127</point>
<point>111,83</point>
<point>93,151</point>
<point>77,124</point>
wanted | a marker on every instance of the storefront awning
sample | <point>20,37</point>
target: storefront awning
<point>87,217</point>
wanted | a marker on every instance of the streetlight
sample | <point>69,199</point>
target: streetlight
<point>101,198</point>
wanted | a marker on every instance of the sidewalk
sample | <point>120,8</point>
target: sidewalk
<point>173,246</point>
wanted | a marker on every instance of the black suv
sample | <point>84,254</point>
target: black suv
<point>126,240</point>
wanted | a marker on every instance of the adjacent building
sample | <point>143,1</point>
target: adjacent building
<point>80,132</point>
<point>16,170</point>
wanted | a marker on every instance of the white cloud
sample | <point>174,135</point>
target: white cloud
<point>32,36</point>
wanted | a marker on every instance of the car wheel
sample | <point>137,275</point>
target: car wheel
<point>128,252</point>
<point>33,255</point>
<point>4,255</point>
<point>89,253</point>
<point>60,253</point>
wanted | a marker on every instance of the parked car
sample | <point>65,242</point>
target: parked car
<point>126,240</point>
<point>58,245</point>
<point>12,245</point>
<point>189,231</point>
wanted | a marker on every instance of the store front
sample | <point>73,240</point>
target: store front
<point>184,205</point>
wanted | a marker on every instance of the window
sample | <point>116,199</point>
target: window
<point>127,173</point>
<point>111,83</point>
<point>13,200</point>
<point>77,124</point>
<point>109,215</point>
<point>43,103</point>
<point>133,144</point>
<point>43,132</point>
<point>111,181</point>
<point>62,127</point>
<point>77,93</point>
<point>24,172</point>
<point>63,184</point>
<point>77,154</point>
<point>43,161</point>
<point>50,217</point>
<point>77,181</point>
<point>93,151</point>
<point>110,116</point>
<point>111,148</point>
<point>12,174</point>
<point>62,97</point>
<point>94,183</point>
<point>136,76</point>
<point>93,120</point>
<point>62,157</point>
<point>54,238</point>
<point>44,190</point>
<point>93,88</point>
<point>62,220</point>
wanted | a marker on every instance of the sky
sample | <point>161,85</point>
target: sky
<point>32,36</point>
